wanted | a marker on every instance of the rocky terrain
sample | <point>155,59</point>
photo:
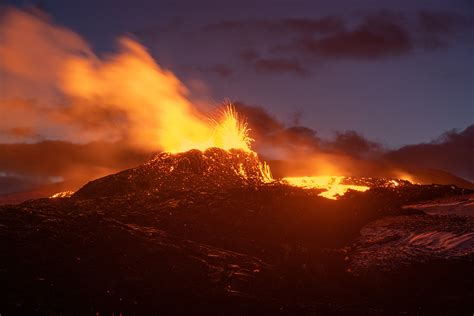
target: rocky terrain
<point>204,232</point>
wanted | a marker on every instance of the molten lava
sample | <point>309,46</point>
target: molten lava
<point>228,131</point>
<point>332,185</point>
<point>63,194</point>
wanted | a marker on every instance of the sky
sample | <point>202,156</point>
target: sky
<point>362,88</point>
<point>398,72</point>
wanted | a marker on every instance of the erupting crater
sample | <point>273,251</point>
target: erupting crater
<point>224,159</point>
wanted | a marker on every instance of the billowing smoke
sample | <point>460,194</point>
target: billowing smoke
<point>75,95</point>
<point>54,88</point>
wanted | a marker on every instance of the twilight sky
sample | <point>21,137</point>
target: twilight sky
<point>398,72</point>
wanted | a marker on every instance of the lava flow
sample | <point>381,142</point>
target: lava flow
<point>332,185</point>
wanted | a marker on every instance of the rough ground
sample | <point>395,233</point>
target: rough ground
<point>156,239</point>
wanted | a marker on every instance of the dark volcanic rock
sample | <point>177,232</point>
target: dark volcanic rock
<point>212,169</point>
<point>202,233</point>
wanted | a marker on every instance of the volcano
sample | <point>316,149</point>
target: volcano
<point>212,169</point>
<point>208,232</point>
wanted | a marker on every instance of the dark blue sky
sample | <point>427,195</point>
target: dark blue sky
<point>399,72</point>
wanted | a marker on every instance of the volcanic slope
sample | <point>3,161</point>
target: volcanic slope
<point>213,169</point>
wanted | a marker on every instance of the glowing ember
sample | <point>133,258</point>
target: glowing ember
<point>332,185</point>
<point>63,194</point>
<point>266,172</point>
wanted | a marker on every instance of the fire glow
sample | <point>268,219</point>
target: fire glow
<point>331,184</point>
<point>123,96</point>
<point>232,132</point>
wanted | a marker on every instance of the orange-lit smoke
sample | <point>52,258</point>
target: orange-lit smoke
<point>77,96</point>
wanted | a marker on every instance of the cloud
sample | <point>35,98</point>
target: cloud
<point>37,164</point>
<point>279,26</point>
<point>453,152</point>
<point>354,144</point>
<point>261,122</point>
<point>280,46</point>
<point>376,36</point>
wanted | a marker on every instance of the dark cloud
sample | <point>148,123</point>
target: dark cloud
<point>12,184</point>
<point>288,25</point>
<point>268,131</point>
<point>378,35</point>
<point>53,158</point>
<point>260,121</point>
<point>267,128</point>
<point>284,45</point>
<point>27,166</point>
<point>354,144</point>
<point>453,152</point>
<point>279,65</point>
<point>298,136</point>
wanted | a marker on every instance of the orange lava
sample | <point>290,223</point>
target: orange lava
<point>331,184</point>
